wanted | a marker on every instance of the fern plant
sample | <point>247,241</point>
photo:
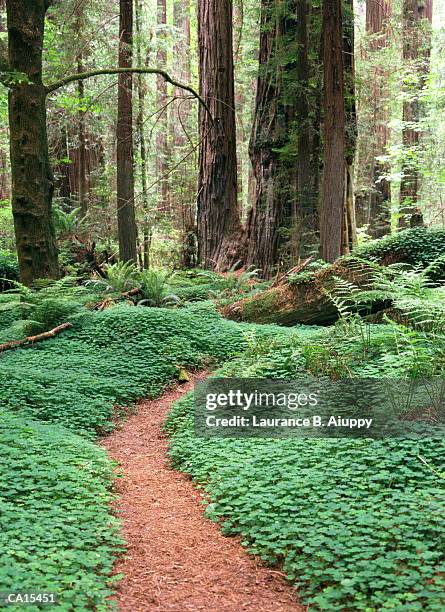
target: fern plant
<point>120,277</point>
<point>154,287</point>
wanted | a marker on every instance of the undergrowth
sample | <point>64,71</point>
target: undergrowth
<point>354,524</point>
<point>57,533</point>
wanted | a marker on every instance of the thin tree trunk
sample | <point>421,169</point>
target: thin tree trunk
<point>332,210</point>
<point>162,135</point>
<point>126,217</point>
<point>82,193</point>
<point>142,144</point>
<point>32,180</point>
<point>219,225</point>
<point>350,237</point>
<point>416,51</point>
<point>378,13</point>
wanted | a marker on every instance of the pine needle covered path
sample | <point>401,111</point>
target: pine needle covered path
<point>177,559</point>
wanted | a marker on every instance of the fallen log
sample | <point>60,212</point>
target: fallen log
<point>33,339</point>
<point>304,301</point>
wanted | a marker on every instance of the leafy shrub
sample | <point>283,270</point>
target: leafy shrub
<point>418,246</point>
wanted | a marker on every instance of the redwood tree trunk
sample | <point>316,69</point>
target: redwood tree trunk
<point>332,209</point>
<point>32,180</point>
<point>162,136</point>
<point>125,172</point>
<point>378,13</point>
<point>416,50</point>
<point>275,175</point>
<point>219,225</point>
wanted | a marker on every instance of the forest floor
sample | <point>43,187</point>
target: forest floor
<point>177,559</point>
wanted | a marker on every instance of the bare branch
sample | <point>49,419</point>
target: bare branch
<point>92,73</point>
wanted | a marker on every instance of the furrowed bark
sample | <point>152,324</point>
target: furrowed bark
<point>126,217</point>
<point>219,224</point>
<point>332,209</point>
<point>32,180</point>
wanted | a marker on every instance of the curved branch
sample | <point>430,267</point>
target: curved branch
<point>81,76</point>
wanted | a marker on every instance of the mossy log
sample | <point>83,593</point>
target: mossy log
<point>303,301</point>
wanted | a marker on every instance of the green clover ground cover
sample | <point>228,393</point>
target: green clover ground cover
<point>56,530</point>
<point>355,524</point>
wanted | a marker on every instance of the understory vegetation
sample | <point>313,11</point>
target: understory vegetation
<point>354,524</point>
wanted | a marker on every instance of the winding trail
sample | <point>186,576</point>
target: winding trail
<point>177,560</point>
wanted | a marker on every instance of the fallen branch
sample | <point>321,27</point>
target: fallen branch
<point>33,339</point>
<point>294,270</point>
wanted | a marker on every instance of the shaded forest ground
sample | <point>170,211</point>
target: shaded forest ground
<point>352,523</point>
<point>176,559</point>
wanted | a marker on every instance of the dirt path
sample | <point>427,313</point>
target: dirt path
<point>177,559</point>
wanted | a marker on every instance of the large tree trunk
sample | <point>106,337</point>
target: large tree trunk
<point>219,225</point>
<point>305,302</point>
<point>416,52</point>
<point>306,224</point>
<point>275,178</point>
<point>332,209</point>
<point>32,181</point>
<point>378,13</point>
<point>126,217</point>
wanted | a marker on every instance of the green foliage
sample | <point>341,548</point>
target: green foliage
<point>67,223</point>
<point>9,269</point>
<point>418,246</point>
<point>57,534</point>
<point>355,524</point>
<point>24,311</point>
<point>231,283</point>
<point>154,286</point>
<point>121,277</point>
<point>72,380</point>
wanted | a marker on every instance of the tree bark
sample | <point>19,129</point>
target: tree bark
<point>219,225</point>
<point>304,302</point>
<point>332,210</point>
<point>378,13</point>
<point>142,144</point>
<point>276,175</point>
<point>350,224</point>
<point>162,134</point>
<point>416,51</point>
<point>32,180</point>
<point>126,217</point>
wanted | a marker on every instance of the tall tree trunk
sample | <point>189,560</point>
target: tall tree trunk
<point>276,175</point>
<point>378,14</point>
<point>416,51</point>
<point>32,180</point>
<point>332,210</point>
<point>306,207</point>
<point>350,225</point>
<point>126,217</point>
<point>82,192</point>
<point>162,135</point>
<point>141,139</point>
<point>219,225</point>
